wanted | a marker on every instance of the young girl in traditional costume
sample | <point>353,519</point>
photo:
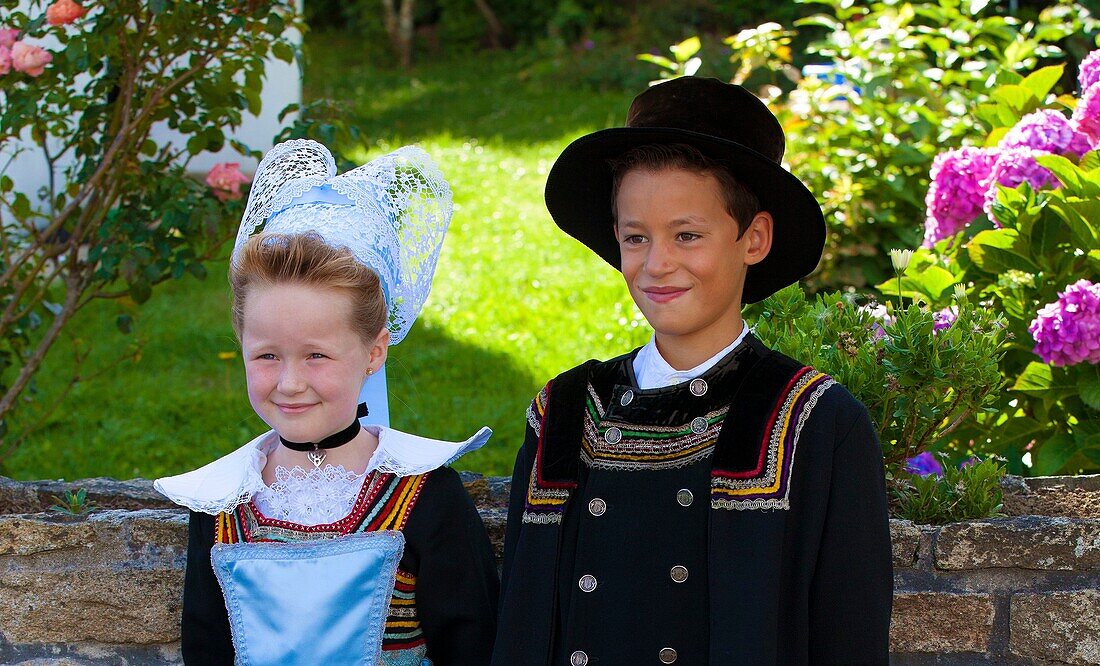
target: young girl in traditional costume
<point>325,541</point>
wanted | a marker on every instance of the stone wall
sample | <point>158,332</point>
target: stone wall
<point>105,588</point>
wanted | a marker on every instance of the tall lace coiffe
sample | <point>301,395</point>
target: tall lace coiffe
<point>391,213</point>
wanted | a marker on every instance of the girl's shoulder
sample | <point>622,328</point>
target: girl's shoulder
<point>404,454</point>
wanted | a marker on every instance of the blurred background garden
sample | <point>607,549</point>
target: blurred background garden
<point>960,131</point>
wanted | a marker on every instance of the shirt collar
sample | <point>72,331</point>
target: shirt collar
<point>653,371</point>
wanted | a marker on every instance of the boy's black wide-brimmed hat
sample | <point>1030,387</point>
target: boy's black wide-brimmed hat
<point>726,123</point>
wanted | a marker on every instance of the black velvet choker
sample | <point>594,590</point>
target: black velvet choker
<point>332,441</point>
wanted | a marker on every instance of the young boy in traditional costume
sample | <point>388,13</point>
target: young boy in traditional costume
<point>325,541</point>
<point>702,499</point>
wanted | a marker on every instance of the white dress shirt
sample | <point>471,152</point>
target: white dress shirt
<point>653,371</point>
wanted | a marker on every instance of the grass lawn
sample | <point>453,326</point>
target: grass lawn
<point>515,301</point>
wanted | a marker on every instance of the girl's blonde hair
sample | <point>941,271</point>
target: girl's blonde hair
<point>305,259</point>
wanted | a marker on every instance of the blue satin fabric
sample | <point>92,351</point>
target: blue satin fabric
<point>309,602</point>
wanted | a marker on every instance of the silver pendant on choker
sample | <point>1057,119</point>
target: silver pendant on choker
<point>316,456</point>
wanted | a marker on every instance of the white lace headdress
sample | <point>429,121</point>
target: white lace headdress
<point>391,213</point>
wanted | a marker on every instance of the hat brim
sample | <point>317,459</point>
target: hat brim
<point>578,196</point>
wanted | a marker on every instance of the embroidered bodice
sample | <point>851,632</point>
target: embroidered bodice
<point>310,497</point>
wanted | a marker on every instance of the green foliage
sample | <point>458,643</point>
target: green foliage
<point>120,213</point>
<point>918,383</point>
<point>909,72</point>
<point>1044,241</point>
<point>968,492</point>
<point>74,504</point>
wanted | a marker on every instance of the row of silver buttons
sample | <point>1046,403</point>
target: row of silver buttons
<point>588,582</point>
<point>613,435</point>
<point>580,658</point>
<point>597,506</point>
<point>698,388</point>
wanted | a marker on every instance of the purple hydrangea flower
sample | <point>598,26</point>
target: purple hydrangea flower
<point>1015,166</point>
<point>1086,116</point>
<point>1047,130</point>
<point>1089,71</point>
<point>955,197</point>
<point>944,318</point>
<point>924,464</point>
<point>1067,331</point>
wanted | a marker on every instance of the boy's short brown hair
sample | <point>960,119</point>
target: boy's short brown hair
<point>740,202</point>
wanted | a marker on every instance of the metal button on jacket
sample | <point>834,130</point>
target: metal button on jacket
<point>587,583</point>
<point>628,395</point>
<point>698,425</point>
<point>679,573</point>
<point>684,497</point>
<point>613,435</point>
<point>667,655</point>
<point>597,507</point>
<point>698,387</point>
<point>578,658</point>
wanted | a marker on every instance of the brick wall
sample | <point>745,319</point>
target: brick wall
<point>105,588</point>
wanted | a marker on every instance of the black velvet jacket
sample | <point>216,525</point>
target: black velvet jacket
<point>737,520</point>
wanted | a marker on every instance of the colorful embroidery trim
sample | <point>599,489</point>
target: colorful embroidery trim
<point>384,503</point>
<point>768,486</point>
<point>545,503</point>
<point>641,447</point>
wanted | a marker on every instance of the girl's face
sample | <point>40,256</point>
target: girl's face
<point>303,361</point>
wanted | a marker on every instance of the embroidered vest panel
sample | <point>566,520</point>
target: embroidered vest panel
<point>384,503</point>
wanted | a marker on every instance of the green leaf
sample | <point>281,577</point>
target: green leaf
<point>1063,169</point>
<point>1018,98</point>
<point>1041,81</point>
<point>686,49</point>
<point>1017,433</point>
<point>1080,215</point>
<point>282,51</point>
<point>1043,381</point>
<point>1089,385</point>
<point>1053,454</point>
<point>997,250</point>
<point>140,291</point>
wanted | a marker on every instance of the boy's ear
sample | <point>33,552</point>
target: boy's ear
<point>379,350</point>
<point>759,238</point>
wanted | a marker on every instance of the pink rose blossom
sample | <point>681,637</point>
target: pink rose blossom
<point>225,178</point>
<point>1086,117</point>
<point>5,60</point>
<point>64,12</point>
<point>955,197</point>
<point>1047,130</point>
<point>1067,331</point>
<point>8,37</point>
<point>1088,72</point>
<point>1014,167</point>
<point>31,60</point>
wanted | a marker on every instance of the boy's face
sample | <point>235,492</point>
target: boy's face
<point>681,258</point>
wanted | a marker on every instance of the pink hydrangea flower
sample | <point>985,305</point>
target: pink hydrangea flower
<point>1089,71</point>
<point>1086,116</point>
<point>5,60</point>
<point>955,197</point>
<point>8,37</point>
<point>63,12</point>
<point>31,60</point>
<point>225,178</point>
<point>1047,130</point>
<point>1067,331</point>
<point>1014,167</point>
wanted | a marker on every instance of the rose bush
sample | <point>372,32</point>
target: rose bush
<point>83,85</point>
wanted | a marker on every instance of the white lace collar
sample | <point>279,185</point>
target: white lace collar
<point>233,479</point>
